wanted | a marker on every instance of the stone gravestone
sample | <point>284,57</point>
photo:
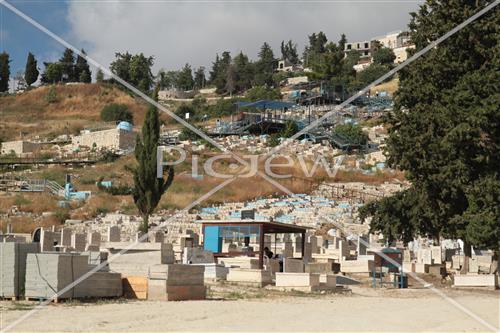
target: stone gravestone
<point>298,244</point>
<point>436,254</point>
<point>313,240</point>
<point>46,240</point>
<point>343,250</point>
<point>66,237</point>
<point>424,256</point>
<point>196,255</point>
<point>307,252</point>
<point>114,234</point>
<point>78,242</point>
<point>94,238</point>
<point>288,250</point>
<point>361,245</point>
<point>156,237</point>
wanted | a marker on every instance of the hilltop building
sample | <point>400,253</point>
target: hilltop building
<point>120,138</point>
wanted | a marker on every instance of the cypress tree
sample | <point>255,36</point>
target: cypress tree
<point>31,72</point>
<point>148,189</point>
<point>4,71</point>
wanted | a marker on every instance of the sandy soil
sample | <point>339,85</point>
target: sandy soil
<point>364,310</point>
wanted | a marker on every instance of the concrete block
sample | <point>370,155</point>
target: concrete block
<point>421,268</point>
<point>328,280</point>
<point>48,273</point>
<point>13,267</point>
<point>254,277</point>
<point>476,280</point>
<point>297,280</point>
<point>437,269</point>
<point>318,267</point>
<point>241,262</point>
<point>291,265</point>
<point>356,266</point>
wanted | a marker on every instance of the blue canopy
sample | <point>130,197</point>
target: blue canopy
<point>265,104</point>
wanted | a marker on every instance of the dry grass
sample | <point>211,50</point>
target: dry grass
<point>391,87</point>
<point>76,107</point>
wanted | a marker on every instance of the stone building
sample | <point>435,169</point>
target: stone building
<point>120,138</point>
<point>19,148</point>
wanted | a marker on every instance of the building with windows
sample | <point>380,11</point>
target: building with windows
<point>397,41</point>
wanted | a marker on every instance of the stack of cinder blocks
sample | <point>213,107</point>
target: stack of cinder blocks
<point>176,283</point>
<point>13,267</point>
<point>49,273</point>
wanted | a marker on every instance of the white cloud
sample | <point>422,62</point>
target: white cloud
<point>176,33</point>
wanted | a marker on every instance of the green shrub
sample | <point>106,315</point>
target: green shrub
<point>117,112</point>
<point>51,96</point>
<point>353,133</point>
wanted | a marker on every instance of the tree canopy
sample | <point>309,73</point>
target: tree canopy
<point>31,71</point>
<point>444,130</point>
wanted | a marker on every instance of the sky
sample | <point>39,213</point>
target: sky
<point>192,31</point>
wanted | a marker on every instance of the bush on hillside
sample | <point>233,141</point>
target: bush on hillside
<point>116,112</point>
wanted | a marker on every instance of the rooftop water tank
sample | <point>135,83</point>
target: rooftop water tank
<point>126,126</point>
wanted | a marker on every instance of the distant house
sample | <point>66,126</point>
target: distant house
<point>398,42</point>
<point>286,66</point>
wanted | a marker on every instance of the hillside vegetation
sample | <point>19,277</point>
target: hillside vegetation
<point>74,107</point>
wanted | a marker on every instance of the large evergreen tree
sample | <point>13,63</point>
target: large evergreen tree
<point>265,66</point>
<point>82,69</point>
<point>289,52</point>
<point>185,79</point>
<point>444,131</point>
<point>148,189</point>
<point>31,72</point>
<point>4,71</point>
<point>135,69</point>
<point>68,66</point>
<point>199,78</point>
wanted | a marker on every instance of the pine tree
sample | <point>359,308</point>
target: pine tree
<point>444,131</point>
<point>148,189</point>
<point>199,78</point>
<point>31,72</point>
<point>68,66</point>
<point>4,71</point>
<point>265,66</point>
<point>82,70</point>
<point>99,76</point>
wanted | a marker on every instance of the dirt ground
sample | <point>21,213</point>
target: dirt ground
<point>362,310</point>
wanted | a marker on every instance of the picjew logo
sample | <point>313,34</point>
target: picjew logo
<point>307,166</point>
